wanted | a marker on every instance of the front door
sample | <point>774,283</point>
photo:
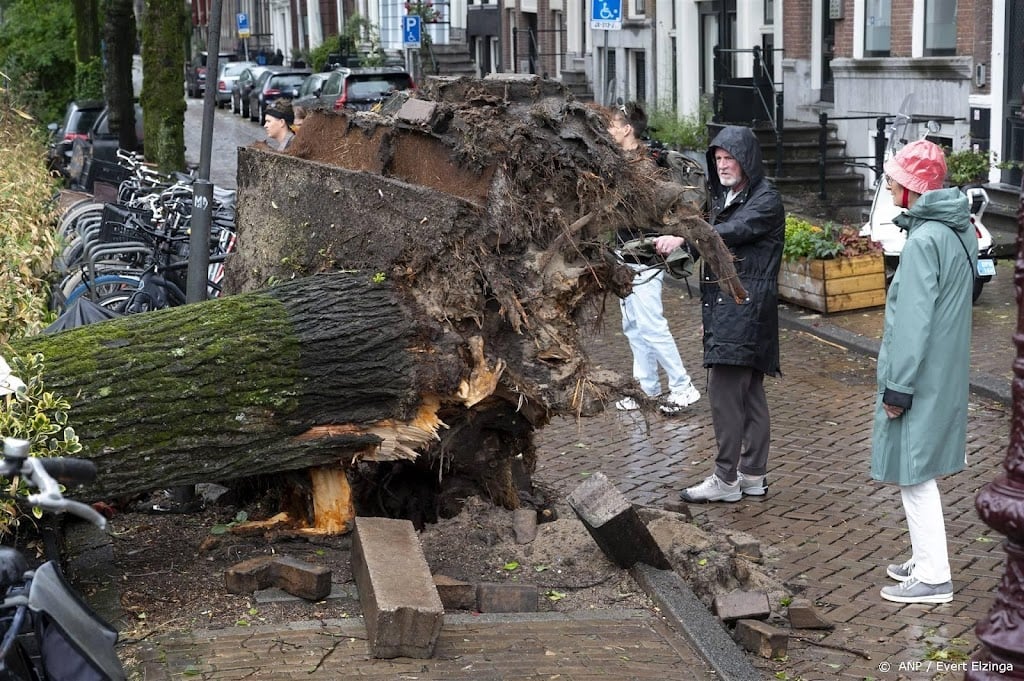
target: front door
<point>1013,126</point>
<point>828,50</point>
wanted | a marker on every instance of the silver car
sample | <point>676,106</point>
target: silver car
<point>228,74</point>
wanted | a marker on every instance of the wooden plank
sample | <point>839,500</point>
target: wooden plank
<point>849,267</point>
<point>855,301</point>
<point>863,282</point>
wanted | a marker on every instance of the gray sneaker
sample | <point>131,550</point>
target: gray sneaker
<point>901,572</point>
<point>915,591</point>
<point>753,485</point>
<point>712,489</point>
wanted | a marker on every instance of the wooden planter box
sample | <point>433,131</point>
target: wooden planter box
<point>834,285</point>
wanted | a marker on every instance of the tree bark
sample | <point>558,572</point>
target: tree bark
<point>164,33</point>
<point>326,370</point>
<point>119,45</point>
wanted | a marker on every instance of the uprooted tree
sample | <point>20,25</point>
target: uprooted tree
<point>408,295</point>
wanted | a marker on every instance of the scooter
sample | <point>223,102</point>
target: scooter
<point>881,228</point>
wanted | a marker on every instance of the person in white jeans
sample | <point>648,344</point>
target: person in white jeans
<point>643,318</point>
<point>646,329</point>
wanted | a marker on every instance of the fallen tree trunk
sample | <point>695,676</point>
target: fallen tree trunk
<point>325,370</point>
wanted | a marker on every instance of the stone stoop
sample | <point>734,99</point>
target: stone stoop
<point>1001,216</point>
<point>453,59</point>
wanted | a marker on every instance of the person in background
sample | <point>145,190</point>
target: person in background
<point>741,339</point>
<point>278,120</point>
<point>920,425</point>
<point>299,112</point>
<point>643,317</point>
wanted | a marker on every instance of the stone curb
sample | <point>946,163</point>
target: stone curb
<point>692,618</point>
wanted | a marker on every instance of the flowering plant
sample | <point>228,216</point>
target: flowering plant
<point>806,240</point>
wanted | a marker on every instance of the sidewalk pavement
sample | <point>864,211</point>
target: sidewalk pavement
<point>827,532</point>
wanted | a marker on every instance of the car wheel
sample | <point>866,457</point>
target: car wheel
<point>263,115</point>
<point>254,112</point>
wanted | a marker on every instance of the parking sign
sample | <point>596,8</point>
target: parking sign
<point>243,24</point>
<point>411,31</point>
<point>606,15</point>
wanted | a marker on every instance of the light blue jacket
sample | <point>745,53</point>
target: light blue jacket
<point>924,361</point>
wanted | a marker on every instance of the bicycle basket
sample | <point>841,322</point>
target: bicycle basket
<point>121,225</point>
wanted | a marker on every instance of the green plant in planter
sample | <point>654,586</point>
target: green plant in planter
<point>968,166</point>
<point>807,240</point>
<point>681,132</point>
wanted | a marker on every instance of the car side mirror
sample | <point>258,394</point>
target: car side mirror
<point>52,127</point>
<point>316,92</point>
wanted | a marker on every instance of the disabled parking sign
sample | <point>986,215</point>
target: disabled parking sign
<point>606,15</point>
<point>411,31</point>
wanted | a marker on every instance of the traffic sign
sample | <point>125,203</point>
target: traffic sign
<point>242,19</point>
<point>606,15</point>
<point>411,26</point>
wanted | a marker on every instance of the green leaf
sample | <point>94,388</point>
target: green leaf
<point>219,529</point>
<point>702,562</point>
<point>510,566</point>
<point>554,596</point>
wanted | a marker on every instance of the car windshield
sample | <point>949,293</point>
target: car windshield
<point>82,120</point>
<point>378,86</point>
<point>234,68</point>
<point>290,80</point>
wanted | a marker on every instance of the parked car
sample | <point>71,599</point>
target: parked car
<point>78,120</point>
<point>361,88</point>
<point>195,72</point>
<point>280,82</point>
<point>229,73</point>
<point>243,86</point>
<point>311,88</point>
<point>97,153</point>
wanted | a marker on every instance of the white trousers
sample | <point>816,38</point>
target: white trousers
<point>923,506</point>
<point>645,326</point>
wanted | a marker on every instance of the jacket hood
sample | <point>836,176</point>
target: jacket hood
<point>948,206</point>
<point>742,144</point>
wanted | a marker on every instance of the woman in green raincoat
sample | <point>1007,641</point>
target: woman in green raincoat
<point>920,425</point>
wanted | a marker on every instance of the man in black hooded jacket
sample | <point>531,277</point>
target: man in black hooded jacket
<point>741,339</point>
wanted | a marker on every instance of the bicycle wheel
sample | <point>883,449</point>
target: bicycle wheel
<point>115,301</point>
<point>103,287</point>
<point>102,268</point>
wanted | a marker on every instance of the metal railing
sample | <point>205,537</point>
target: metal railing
<point>534,54</point>
<point>732,92</point>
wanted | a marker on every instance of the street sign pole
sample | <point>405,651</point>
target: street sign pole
<point>605,15</point>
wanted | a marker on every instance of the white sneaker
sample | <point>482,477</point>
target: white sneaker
<point>627,404</point>
<point>677,400</point>
<point>713,489</point>
<point>900,572</point>
<point>753,485</point>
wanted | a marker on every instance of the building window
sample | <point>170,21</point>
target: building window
<point>639,6</point>
<point>877,28</point>
<point>939,27</point>
<point>769,12</point>
<point>640,75</point>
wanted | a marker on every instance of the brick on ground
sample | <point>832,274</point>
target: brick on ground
<point>493,597</point>
<point>401,607</point>
<point>803,615</point>
<point>297,577</point>
<point>615,525</point>
<point>455,594</point>
<point>738,605</point>
<point>761,638</point>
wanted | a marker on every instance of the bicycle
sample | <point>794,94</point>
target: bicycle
<point>48,632</point>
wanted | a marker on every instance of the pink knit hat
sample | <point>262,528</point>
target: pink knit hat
<point>919,166</point>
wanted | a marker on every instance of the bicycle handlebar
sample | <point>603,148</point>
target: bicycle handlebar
<point>37,473</point>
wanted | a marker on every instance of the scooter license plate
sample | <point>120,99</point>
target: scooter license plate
<point>986,268</point>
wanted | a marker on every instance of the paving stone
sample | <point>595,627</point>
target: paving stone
<point>737,605</point>
<point>417,111</point>
<point>299,578</point>
<point>402,610</point>
<point>524,524</point>
<point>614,524</point>
<point>455,594</point>
<point>761,638</point>
<point>803,615</point>
<point>493,597</point>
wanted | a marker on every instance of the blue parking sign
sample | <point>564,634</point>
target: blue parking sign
<point>606,15</point>
<point>411,30</point>
<point>242,20</point>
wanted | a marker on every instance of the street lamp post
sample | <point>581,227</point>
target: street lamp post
<point>1001,505</point>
